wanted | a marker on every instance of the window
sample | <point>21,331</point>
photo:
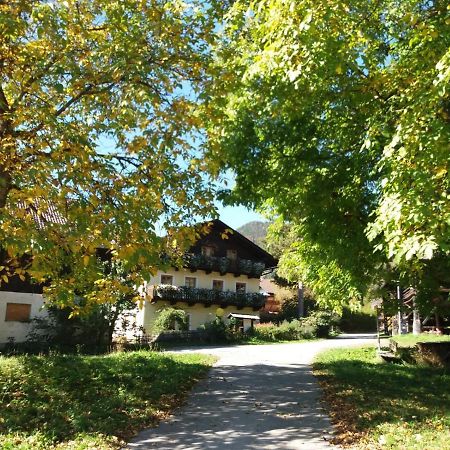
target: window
<point>217,285</point>
<point>190,282</point>
<point>241,288</point>
<point>232,254</point>
<point>18,312</point>
<point>207,250</point>
<point>167,279</point>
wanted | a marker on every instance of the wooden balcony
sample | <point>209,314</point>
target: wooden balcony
<point>223,265</point>
<point>207,297</point>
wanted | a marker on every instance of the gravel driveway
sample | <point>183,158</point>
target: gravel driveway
<point>255,397</point>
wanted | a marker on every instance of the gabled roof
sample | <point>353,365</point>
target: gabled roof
<point>237,239</point>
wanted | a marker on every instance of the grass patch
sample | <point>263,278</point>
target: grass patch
<point>250,340</point>
<point>80,402</point>
<point>389,406</point>
<point>410,340</point>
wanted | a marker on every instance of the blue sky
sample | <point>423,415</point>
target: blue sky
<point>236,216</point>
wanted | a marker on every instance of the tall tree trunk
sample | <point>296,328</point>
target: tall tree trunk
<point>5,187</point>
<point>301,300</point>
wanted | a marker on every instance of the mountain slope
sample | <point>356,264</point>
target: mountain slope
<point>256,231</point>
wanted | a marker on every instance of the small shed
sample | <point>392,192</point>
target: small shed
<point>244,321</point>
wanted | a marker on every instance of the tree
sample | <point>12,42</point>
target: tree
<point>94,317</point>
<point>97,133</point>
<point>335,116</point>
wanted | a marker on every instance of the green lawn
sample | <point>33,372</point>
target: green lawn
<point>96,402</point>
<point>410,340</point>
<point>389,406</point>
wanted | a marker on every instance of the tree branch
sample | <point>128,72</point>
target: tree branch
<point>88,90</point>
<point>31,80</point>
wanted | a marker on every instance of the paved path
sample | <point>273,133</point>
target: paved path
<point>256,397</point>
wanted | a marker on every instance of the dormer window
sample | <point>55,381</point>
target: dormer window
<point>232,254</point>
<point>207,250</point>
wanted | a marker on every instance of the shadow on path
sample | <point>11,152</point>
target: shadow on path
<point>256,406</point>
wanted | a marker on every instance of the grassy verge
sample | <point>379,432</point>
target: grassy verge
<point>168,346</point>
<point>389,406</point>
<point>410,340</point>
<point>80,402</point>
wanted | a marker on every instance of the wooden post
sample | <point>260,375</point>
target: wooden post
<point>417,325</point>
<point>378,327</point>
<point>301,303</point>
<point>399,314</point>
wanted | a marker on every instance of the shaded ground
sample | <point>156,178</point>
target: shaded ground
<point>256,397</point>
<point>393,406</point>
<point>77,401</point>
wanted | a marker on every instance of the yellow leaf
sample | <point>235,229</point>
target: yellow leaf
<point>86,260</point>
<point>441,172</point>
<point>339,70</point>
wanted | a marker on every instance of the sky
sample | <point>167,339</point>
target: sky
<point>236,216</point>
<point>233,216</point>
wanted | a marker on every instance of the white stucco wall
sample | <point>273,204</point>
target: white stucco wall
<point>205,280</point>
<point>199,314</point>
<point>18,330</point>
<point>129,325</point>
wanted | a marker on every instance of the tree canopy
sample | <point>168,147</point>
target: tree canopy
<point>98,132</point>
<point>335,117</point>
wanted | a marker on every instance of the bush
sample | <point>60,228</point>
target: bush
<point>289,309</point>
<point>169,317</point>
<point>357,321</point>
<point>286,331</point>
<point>216,331</point>
<point>318,324</point>
<point>219,331</point>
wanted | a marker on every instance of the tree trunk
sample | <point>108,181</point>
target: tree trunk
<point>5,187</point>
<point>301,302</point>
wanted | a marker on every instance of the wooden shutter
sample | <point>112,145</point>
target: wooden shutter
<point>18,312</point>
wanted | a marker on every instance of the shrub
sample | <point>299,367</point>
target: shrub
<point>286,331</point>
<point>289,307</point>
<point>169,317</point>
<point>357,321</point>
<point>320,323</point>
<point>218,331</point>
<point>88,333</point>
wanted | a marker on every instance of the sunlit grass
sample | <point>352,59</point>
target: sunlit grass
<point>389,406</point>
<point>97,402</point>
<point>410,340</point>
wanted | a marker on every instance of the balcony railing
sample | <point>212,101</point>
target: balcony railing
<point>223,265</point>
<point>208,297</point>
